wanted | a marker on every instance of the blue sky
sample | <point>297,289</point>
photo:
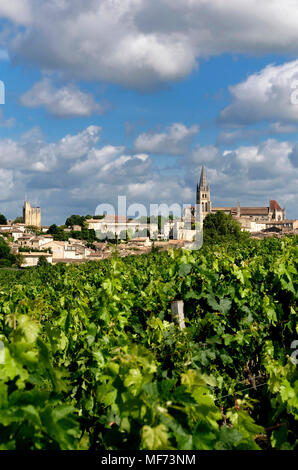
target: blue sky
<point>130,98</point>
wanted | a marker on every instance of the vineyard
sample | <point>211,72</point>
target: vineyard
<point>92,359</point>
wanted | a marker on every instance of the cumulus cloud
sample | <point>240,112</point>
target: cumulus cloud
<point>96,159</point>
<point>76,173</point>
<point>268,160</point>
<point>12,154</point>
<point>18,11</point>
<point>33,153</point>
<point>175,141</point>
<point>67,101</point>
<point>203,154</point>
<point>78,145</point>
<point>270,95</point>
<point>145,43</point>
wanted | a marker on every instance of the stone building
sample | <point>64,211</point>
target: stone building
<point>120,224</point>
<point>31,215</point>
<point>31,259</point>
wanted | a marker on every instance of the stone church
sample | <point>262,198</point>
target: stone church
<point>273,212</point>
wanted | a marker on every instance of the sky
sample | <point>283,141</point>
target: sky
<point>108,98</point>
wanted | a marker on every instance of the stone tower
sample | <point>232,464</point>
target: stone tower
<point>203,194</point>
<point>31,215</point>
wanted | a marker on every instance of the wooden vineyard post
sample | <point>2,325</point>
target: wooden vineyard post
<point>177,308</point>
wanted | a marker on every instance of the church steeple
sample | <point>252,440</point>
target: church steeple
<point>203,180</point>
<point>203,193</point>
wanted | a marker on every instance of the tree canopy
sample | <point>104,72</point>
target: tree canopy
<point>6,257</point>
<point>75,220</point>
<point>42,261</point>
<point>222,227</point>
<point>4,249</point>
<point>58,233</point>
<point>3,220</point>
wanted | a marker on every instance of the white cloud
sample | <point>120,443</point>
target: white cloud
<point>32,153</point>
<point>74,175</point>
<point>67,101</point>
<point>267,95</point>
<point>18,11</point>
<point>144,43</point>
<point>96,159</point>
<point>175,141</point>
<point>47,157</point>
<point>13,155</point>
<point>78,145</point>
<point>267,160</point>
<point>203,154</point>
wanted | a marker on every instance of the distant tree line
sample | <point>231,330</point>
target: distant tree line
<point>59,234</point>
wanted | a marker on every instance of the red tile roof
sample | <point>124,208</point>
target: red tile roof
<point>274,206</point>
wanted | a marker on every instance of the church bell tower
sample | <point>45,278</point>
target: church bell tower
<point>203,194</point>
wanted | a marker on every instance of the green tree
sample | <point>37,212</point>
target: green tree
<point>75,220</point>
<point>4,249</point>
<point>3,220</point>
<point>222,227</point>
<point>53,230</point>
<point>19,260</point>
<point>58,233</point>
<point>6,257</point>
<point>33,229</point>
<point>42,261</point>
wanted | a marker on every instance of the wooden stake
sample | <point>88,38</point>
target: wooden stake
<point>177,308</point>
